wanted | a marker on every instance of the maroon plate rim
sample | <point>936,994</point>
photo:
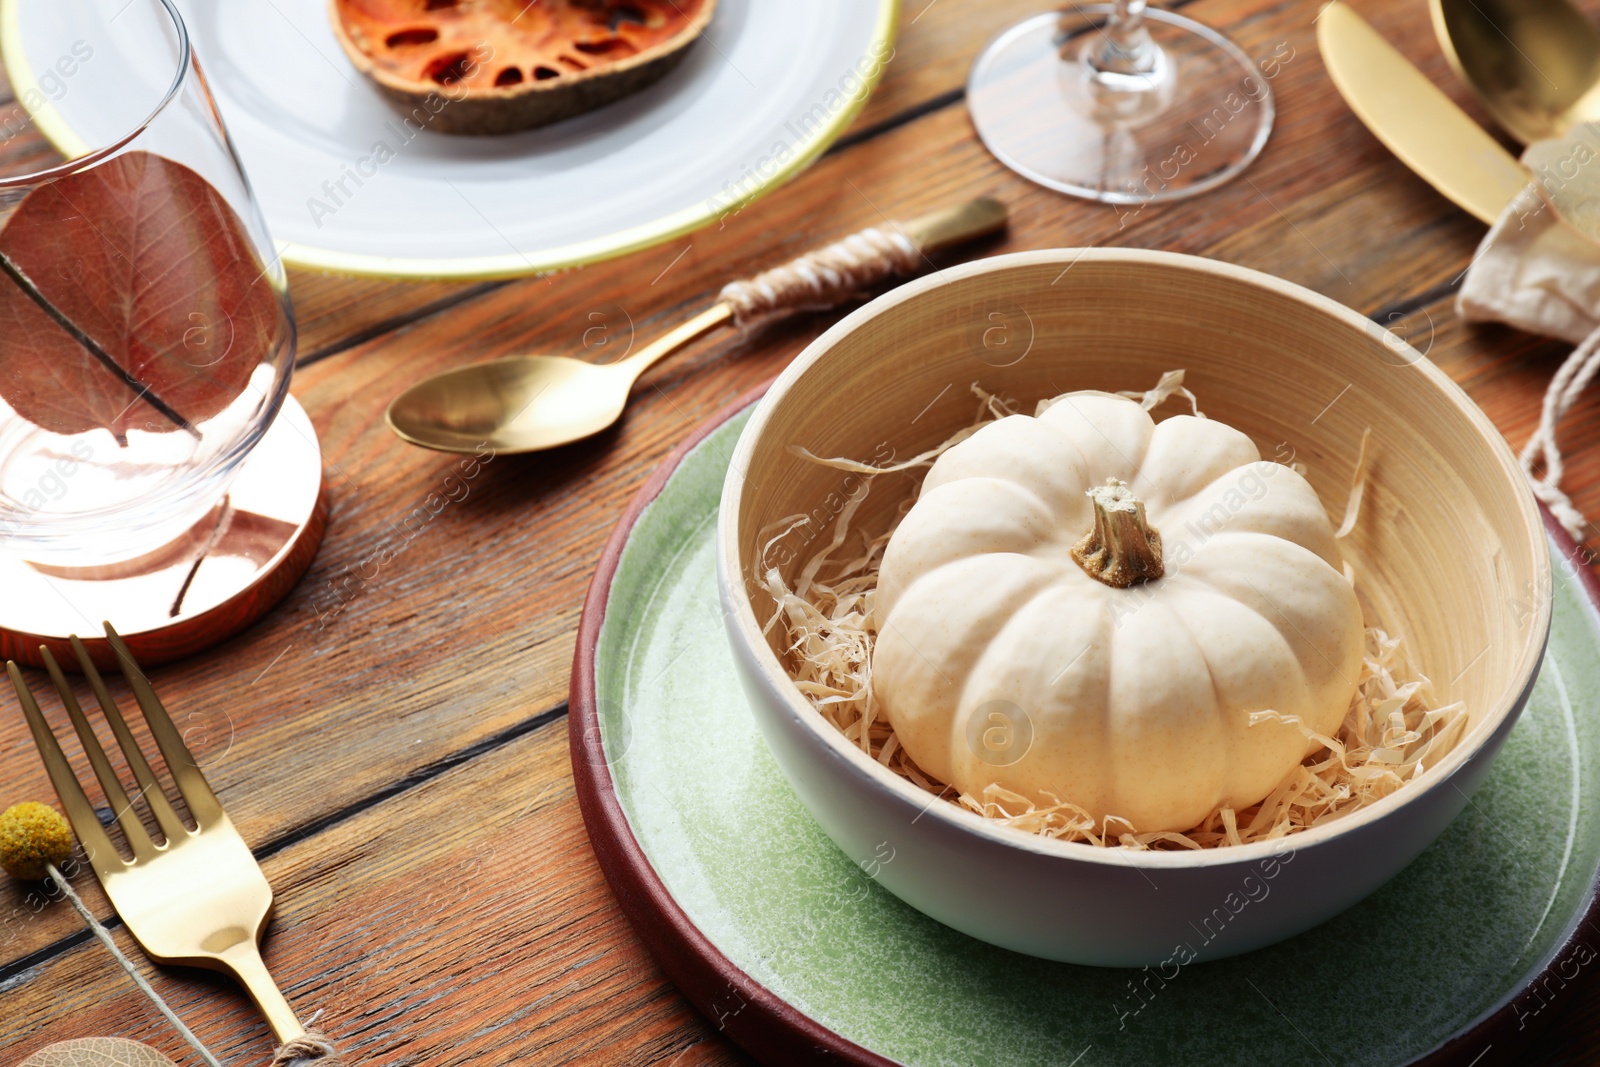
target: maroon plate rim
<point>780,1035</point>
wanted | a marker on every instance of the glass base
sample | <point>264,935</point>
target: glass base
<point>1196,115</point>
<point>220,576</point>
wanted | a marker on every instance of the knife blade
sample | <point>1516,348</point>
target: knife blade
<point>1415,119</point>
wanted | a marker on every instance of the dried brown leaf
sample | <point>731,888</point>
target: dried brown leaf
<point>145,257</point>
<point>97,1052</point>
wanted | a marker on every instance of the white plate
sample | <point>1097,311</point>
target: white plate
<point>758,98</point>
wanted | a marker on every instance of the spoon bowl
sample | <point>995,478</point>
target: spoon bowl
<point>1535,64</point>
<point>512,405</point>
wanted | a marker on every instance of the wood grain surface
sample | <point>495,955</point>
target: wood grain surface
<point>392,738</point>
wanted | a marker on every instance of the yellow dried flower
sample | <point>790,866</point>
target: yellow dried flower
<point>31,836</point>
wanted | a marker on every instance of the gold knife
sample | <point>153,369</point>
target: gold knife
<point>1414,119</point>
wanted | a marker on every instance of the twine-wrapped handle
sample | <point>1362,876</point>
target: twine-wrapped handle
<point>843,269</point>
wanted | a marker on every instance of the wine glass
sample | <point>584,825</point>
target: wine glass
<point>146,336</point>
<point>1120,103</point>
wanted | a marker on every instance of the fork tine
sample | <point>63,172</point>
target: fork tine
<point>132,828</point>
<point>102,855</point>
<point>149,788</point>
<point>192,784</point>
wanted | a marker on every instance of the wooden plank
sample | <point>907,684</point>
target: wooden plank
<point>938,41</point>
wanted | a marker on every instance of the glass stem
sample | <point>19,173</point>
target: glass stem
<point>1123,46</point>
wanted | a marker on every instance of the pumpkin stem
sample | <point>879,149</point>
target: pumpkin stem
<point>1123,549</point>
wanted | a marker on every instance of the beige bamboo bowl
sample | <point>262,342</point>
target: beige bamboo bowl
<point>1449,552</point>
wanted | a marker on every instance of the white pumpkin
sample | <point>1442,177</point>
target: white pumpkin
<point>1044,631</point>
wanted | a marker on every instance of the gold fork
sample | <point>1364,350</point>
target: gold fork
<point>199,898</point>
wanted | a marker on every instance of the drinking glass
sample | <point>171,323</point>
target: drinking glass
<point>1120,103</point>
<point>146,336</point>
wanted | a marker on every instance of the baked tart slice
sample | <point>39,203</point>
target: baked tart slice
<point>496,66</point>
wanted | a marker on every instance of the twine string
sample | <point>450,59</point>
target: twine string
<point>139,980</point>
<point>1543,448</point>
<point>825,277</point>
<point>307,1049</point>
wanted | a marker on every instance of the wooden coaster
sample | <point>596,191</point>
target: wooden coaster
<point>196,592</point>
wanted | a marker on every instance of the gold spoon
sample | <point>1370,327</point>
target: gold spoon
<point>1535,64</point>
<point>528,403</point>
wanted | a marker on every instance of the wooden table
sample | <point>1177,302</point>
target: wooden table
<point>393,739</point>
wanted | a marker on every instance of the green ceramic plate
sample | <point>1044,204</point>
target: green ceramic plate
<point>793,949</point>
